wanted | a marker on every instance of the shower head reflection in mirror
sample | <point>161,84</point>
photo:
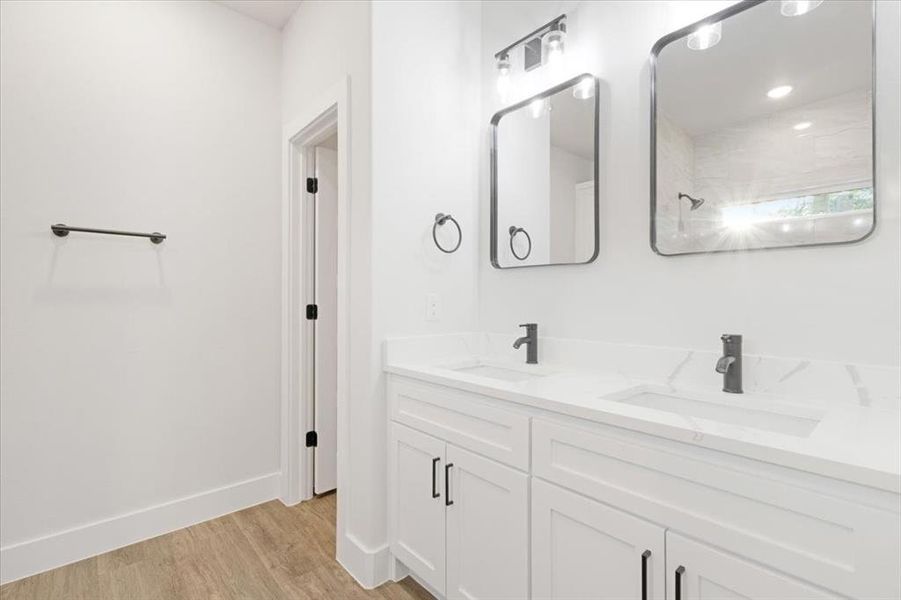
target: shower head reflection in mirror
<point>777,138</point>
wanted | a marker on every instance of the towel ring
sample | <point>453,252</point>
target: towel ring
<point>440,220</point>
<point>513,231</point>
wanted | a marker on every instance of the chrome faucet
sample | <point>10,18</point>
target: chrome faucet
<point>531,340</point>
<point>729,363</point>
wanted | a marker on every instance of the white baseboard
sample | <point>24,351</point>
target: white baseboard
<point>370,567</point>
<point>58,549</point>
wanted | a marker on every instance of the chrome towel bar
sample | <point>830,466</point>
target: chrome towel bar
<point>62,230</point>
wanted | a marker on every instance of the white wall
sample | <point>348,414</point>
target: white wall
<point>414,153</point>
<point>425,140</point>
<point>838,303</point>
<point>324,45</point>
<point>134,375</point>
<point>425,74</point>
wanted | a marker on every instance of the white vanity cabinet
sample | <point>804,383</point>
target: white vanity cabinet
<point>493,499</point>
<point>459,521</point>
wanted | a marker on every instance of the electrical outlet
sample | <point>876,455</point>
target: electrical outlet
<point>432,307</point>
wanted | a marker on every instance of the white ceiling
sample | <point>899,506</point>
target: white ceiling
<point>274,13</point>
<point>821,54</point>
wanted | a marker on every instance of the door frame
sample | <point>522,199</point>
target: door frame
<point>319,119</point>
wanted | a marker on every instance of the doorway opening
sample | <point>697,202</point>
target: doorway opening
<point>321,273</point>
<point>315,303</point>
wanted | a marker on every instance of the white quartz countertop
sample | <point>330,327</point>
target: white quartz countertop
<point>850,442</point>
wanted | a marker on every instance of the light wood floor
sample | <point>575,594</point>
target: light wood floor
<point>270,551</point>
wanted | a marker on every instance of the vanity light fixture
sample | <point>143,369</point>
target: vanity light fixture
<point>802,125</point>
<point>796,8</point>
<point>544,45</point>
<point>705,36</point>
<point>780,92</point>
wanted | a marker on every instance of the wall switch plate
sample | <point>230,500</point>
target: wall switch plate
<point>432,307</point>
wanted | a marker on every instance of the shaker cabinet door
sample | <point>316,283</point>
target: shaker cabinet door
<point>583,549</point>
<point>416,497</point>
<point>487,528</point>
<point>696,571</point>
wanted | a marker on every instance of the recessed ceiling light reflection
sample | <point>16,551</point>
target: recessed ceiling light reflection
<point>780,92</point>
<point>802,125</point>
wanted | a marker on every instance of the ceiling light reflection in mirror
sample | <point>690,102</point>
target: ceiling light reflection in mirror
<point>706,36</point>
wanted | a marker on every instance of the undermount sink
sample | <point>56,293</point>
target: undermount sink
<point>733,411</point>
<point>499,373</point>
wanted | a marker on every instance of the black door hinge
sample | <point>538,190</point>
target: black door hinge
<point>312,439</point>
<point>312,185</point>
<point>312,312</point>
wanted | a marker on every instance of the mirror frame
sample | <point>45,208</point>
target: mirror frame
<point>716,18</point>
<point>495,120</point>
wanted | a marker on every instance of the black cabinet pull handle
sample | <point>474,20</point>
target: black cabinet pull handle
<point>679,573</point>
<point>435,493</point>
<point>644,574</point>
<point>447,496</point>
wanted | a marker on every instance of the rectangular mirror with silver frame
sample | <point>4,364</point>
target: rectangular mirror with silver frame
<point>544,178</point>
<point>762,128</point>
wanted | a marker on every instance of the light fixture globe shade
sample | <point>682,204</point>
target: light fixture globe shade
<point>705,36</point>
<point>584,89</point>
<point>504,82</point>
<point>503,66</point>
<point>554,43</point>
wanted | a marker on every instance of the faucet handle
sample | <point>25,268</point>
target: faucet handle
<point>731,337</point>
<point>528,325</point>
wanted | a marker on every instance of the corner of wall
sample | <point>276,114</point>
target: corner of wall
<point>369,567</point>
